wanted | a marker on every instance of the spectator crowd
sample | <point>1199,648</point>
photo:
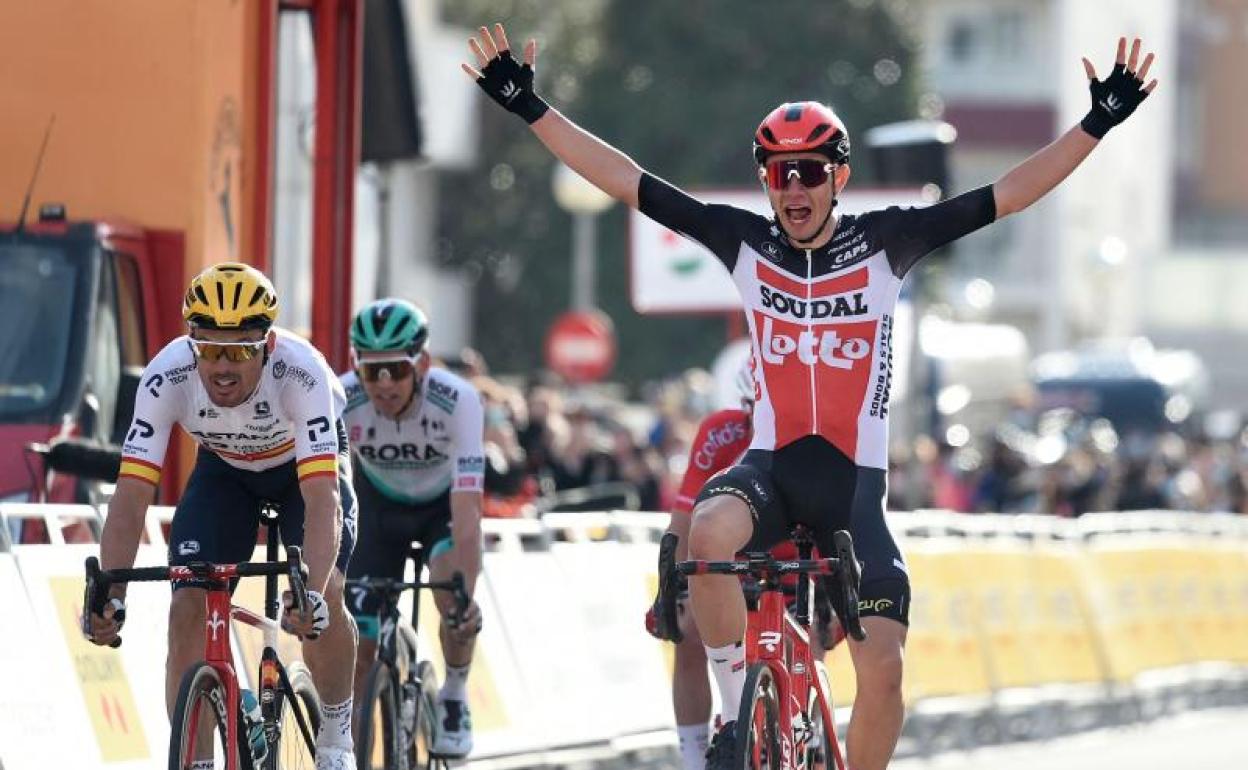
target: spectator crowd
<point>550,446</point>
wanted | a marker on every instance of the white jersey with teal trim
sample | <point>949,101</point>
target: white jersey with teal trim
<point>435,446</point>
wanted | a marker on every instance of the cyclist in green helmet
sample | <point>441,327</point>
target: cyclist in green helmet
<point>415,432</point>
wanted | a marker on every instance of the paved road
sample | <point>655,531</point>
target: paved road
<point>1203,740</point>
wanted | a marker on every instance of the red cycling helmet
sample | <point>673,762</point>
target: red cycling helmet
<point>802,127</point>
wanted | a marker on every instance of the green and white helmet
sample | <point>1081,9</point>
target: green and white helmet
<point>390,324</point>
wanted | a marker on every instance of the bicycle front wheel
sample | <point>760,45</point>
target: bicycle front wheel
<point>758,722</point>
<point>197,729</point>
<point>420,753</point>
<point>822,751</point>
<point>291,748</point>
<point>376,747</point>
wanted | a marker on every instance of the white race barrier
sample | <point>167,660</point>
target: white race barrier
<point>563,663</point>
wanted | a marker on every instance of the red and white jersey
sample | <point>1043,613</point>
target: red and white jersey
<point>821,319</point>
<point>722,438</point>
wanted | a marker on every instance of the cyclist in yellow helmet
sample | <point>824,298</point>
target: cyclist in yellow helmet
<point>266,410</point>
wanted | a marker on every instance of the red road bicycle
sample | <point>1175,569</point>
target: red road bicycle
<point>786,720</point>
<point>207,721</point>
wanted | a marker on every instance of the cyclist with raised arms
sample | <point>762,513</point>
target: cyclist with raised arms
<point>818,290</point>
<point>416,434</point>
<point>265,409</point>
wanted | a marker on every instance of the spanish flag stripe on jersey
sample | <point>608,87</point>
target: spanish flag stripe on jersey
<point>274,452</point>
<point>318,465</point>
<point>139,469</point>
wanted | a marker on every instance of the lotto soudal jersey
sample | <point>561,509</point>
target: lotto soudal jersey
<point>292,413</point>
<point>821,319</point>
<point>434,446</point>
<point>723,437</point>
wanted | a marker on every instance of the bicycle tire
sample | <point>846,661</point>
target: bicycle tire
<point>201,686</point>
<point>758,722</point>
<point>819,751</point>
<point>420,753</point>
<point>376,747</point>
<point>289,749</point>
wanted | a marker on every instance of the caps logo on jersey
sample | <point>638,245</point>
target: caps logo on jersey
<point>771,251</point>
<point>262,410</point>
<point>279,369</point>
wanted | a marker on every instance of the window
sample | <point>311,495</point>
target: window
<point>130,311</point>
<point>104,362</point>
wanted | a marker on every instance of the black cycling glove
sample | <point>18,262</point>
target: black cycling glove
<point>510,83</point>
<point>1113,100</point>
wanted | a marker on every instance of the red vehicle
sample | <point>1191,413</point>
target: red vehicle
<point>786,720</point>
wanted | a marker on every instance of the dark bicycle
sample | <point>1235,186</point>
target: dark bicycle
<point>207,720</point>
<point>398,715</point>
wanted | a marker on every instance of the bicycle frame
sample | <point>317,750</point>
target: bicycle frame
<point>776,638</point>
<point>218,611</point>
<point>780,639</point>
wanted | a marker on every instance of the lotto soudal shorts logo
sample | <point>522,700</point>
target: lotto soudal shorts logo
<point>188,547</point>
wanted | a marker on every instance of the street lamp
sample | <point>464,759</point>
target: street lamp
<point>585,202</point>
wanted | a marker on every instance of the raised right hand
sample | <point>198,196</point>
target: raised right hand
<point>505,80</point>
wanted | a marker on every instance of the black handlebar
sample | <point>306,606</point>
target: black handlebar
<point>391,589</point>
<point>100,581</point>
<point>844,567</point>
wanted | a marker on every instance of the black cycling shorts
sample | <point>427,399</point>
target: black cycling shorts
<point>218,517</point>
<point>812,482</point>
<point>387,530</point>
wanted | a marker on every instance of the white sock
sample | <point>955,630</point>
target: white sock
<point>456,685</point>
<point>693,743</point>
<point>728,666</point>
<point>335,726</point>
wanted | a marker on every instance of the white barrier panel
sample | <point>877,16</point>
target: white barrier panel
<point>34,733</point>
<point>100,715</point>
<point>606,587</point>
<point>548,640</point>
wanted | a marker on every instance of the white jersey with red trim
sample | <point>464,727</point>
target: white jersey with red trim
<point>820,319</point>
<point>293,412</point>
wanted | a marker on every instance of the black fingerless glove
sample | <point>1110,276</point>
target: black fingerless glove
<point>1113,100</point>
<point>510,83</point>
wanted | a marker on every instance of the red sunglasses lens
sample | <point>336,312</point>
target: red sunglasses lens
<point>810,172</point>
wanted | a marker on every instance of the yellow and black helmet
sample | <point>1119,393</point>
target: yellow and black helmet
<point>230,295</point>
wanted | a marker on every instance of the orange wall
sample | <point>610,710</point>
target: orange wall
<point>153,119</point>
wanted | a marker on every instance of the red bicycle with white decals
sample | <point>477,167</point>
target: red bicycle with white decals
<point>786,720</point>
<point>208,723</point>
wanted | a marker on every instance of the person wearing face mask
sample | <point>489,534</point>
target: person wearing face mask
<point>818,288</point>
<point>416,439</point>
<point>265,409</point>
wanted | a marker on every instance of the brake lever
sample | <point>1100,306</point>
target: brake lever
<point>297,573</point>
<point>95,599</point>
<point>849,576</point>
